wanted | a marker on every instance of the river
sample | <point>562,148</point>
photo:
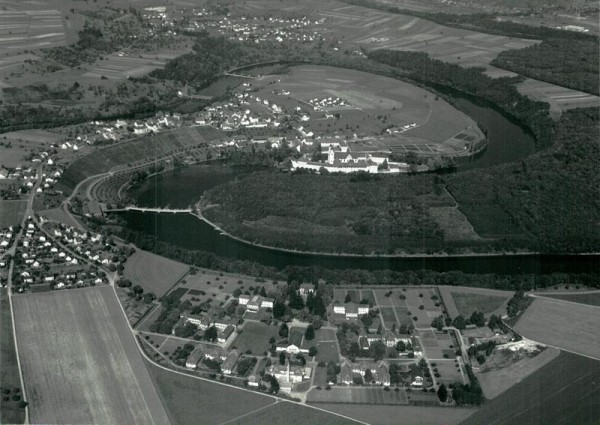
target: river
<point>182,188</point>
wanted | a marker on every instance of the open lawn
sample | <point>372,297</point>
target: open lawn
<point>592,298</point>
<point>564,391</point>
<point>255,336</point>
<point>469,303</point>
<point>188,400</point>
<point>460,300</point>
<point>405,415</point>
<point>10,413</point>
<point>11,212</point>
<point>573,327</point>
<point>80,361</point>
<point>152,272</point>
<point>327,352</point>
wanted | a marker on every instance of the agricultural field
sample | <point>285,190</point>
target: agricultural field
<point>572,327</point>
<point>367,98</point>
<point>188,400</point>
<point>592,298</point>
<point>10,413</point>
<point>12,212</point>
<point>119,66</point>
<point>359,395</point>
<point>464,301</point>
<point>30,25</point>
<point>287,413</point>
<point>495,378</point>
<point>548,395</point>
<point>406,415</point>
<point>254,336</point>
<point>152,272</point>
<point>102,379</point>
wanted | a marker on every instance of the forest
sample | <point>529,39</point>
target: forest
<point>566,62</point>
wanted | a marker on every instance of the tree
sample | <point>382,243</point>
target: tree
<point>368,375</point>
<point>478,319</point>
<point>438,323</point>
<point>282,358</point>
<point>459,323</point>
<point>310,333</point>
<point>295,301</point>
<point>137,289</point>
<point>378,350</point>
<point>442,393</point>
<point>283,330</point>
<point>401,346</point>
<point>149,297</point>
<point>278,309</point>
<point>354,349</point>
<point>347,298</point>
<point>210,334</point>
<point>312,351</point>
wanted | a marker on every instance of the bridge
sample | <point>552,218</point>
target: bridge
<point>154,210</point>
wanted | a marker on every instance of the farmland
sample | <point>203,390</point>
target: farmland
<point>152,272</point>
<point>496,381</point>
<point>11,212</point>
<point>366,395</point>
<point>368,97</point>
<point>286,413</point>
<point>548,396</point>
<point>102,379</point>
<point>117,66</point>
<point>187,400</point>
<point>24,26</point>
<point>9,372</point>
<point>562,324</point>
<point>392,415</point>
<point>588,299</point>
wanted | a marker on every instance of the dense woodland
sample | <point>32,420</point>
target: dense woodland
<point>566,62</point>
<point>553,197</point>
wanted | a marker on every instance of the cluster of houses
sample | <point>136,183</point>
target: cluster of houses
<point>6,239</point>
<point>234,114</point>
<point>102,131</point>
<point>259,29</point>
<point>255,303</point>
<point>43,261</point>
<point>378,373</point>
<point>288,375</point>
<point>328,103</point>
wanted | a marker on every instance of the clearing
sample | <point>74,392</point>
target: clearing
<point>573,327</point>
<point>153,273</point>
<point>80,361</point>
